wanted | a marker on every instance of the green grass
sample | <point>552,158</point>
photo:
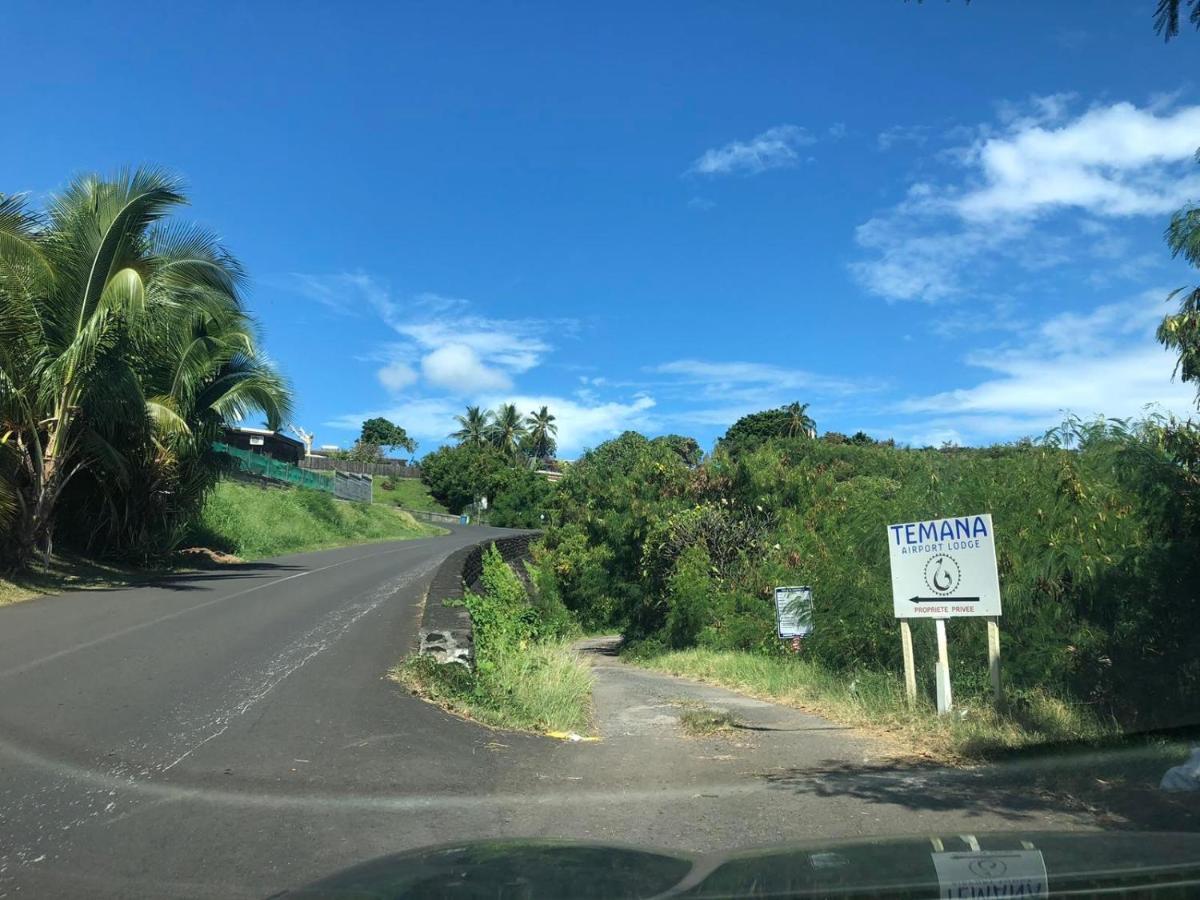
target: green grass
<point>540,687</point>
<point>875,702</point>
<point>253,522</point>
<point>411,493</point>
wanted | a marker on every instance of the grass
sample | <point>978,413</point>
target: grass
<point>411,493</point>
<point>541,687</point>
<point>254,522</point>
<point>699,720</point>
<point>875,702</point>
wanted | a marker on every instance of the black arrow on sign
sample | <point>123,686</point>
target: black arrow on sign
<point>943,599</point>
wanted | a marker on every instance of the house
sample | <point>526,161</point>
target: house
<point>268,443</point>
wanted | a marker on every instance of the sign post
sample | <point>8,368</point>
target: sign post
<point>910,667</point>
<point>945,569</point>
<point>945,702</point>
<point>793,614</point>
<point>993,626</point>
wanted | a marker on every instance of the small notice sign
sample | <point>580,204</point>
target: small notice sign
<point>793,611</point>
<point>944,568</point>
<point>993,874</point>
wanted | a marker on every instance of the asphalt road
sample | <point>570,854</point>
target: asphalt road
<point>227,732</point>
<point>233,734</point>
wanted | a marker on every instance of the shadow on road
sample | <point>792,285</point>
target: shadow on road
<point>1112,795</point>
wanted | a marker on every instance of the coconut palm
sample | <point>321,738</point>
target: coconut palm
<point>473,427</point>
<point>540,435</point>
<point>507,429</point>
<point>798,420</point>
<point>121,333</point>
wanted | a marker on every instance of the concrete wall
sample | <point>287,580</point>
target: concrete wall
<point>446,631</point>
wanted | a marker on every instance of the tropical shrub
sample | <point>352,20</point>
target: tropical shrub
<point>124,349</point>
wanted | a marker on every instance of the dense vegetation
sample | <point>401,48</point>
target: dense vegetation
<point>1098,544</point>
<point>124,348</point>
<point>496,459</point>
<point>409,493</point>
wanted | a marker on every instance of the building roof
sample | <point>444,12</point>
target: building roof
<point>267,432</point>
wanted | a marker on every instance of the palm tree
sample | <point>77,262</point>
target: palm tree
<point>541,434</point>
<point>473,426</point>
<point>507,429</point>
<point>120,333</point>
<point>798,420</point>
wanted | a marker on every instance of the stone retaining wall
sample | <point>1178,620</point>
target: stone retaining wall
<point>446,631</point>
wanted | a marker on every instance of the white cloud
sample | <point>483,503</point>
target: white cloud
<point>1102,362</point>
<point>774,148</point>
<point>1003,198</point>
<point>722,378</point>
<point>458,368</point>
<point>444,343</point>
<point>902,134</point>
<point>396,376</point>
<point>1111,161</point>
<point>585,424</point>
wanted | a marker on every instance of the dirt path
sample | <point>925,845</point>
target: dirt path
<point>777,776</point>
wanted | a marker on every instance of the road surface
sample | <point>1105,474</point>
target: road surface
<point>232,733</point>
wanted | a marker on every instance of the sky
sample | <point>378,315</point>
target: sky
<point>931,222</point>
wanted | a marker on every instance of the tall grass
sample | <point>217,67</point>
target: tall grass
<point>526,676</point>
<point>875,702</point>
<point>254,522</point>
<point>537,687</point>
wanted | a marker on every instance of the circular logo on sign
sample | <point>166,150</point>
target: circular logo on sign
<point>942,574</point>
<point>987,867</point>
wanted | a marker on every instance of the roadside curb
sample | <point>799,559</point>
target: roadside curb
<point>446,633</point>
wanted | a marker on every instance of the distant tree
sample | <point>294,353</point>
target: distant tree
<point>365,452</point>
<point>459,476</point>
<point>383,433</point>
<point>540,436</point>
<point>1180,331</point>
<point>755,429</point>
<point>862,438</point>
<point>686,447</point>
<point>473,427</point>
<point>507,429</point>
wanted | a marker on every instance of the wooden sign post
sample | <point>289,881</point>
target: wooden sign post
<point>993,627</point>
<point>945,569</point>
<point>910,668</point>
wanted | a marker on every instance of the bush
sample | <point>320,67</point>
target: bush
<point>525,676</point>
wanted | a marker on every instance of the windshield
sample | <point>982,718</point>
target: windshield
<point>612,450</point>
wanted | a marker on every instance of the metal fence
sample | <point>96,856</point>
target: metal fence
<point>352,486</point>
<point>394,469</point>
<point>440,518</point>
<point>275,470</point>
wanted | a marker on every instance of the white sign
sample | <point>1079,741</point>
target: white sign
<point>793,611</point>
<point>256,440</point>
<point>944,568</point>
<point>992,874</point>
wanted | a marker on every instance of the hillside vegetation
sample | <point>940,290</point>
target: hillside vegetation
<point>410,493</point>
<point>253,522</point>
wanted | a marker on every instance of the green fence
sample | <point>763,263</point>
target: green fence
<point>265,467</point>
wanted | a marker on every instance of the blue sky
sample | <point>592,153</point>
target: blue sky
<point>930,222</point>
